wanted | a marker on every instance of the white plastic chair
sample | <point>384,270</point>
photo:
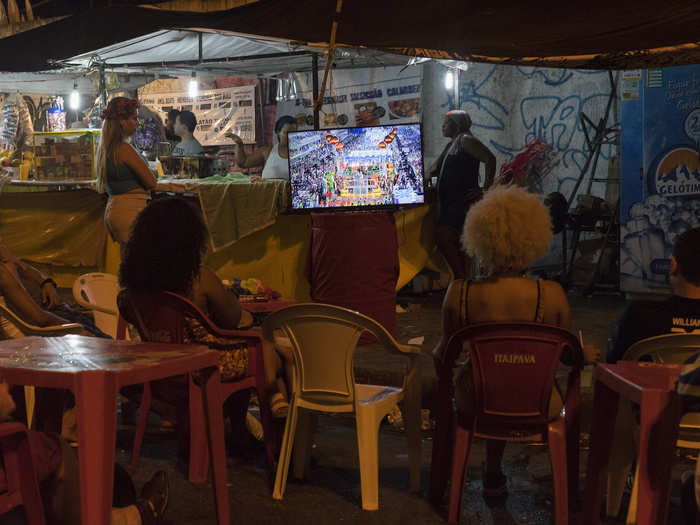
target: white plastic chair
<point>98,292</point>
<point>323,340</point>
<point>663,349</point>
<point>27,330</point>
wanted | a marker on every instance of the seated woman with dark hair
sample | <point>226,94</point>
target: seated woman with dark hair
<point>164,254</point>
<point>506,231</point>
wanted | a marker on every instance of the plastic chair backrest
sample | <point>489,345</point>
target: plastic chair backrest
<point>514,367</point>
<point>160,315</point>
<point>323,339</point>
<point>667,348</point>
<point>98,292</point>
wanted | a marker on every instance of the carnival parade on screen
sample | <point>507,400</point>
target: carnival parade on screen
<point>356,167</point>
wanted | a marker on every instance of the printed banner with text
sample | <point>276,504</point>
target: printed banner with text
<point>218,111</point>
<point>359,97</point>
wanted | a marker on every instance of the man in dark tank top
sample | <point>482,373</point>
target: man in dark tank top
<point>457,169</point>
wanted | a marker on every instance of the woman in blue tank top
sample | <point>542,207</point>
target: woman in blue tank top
<point>457,170</point>
<point>121,172</point>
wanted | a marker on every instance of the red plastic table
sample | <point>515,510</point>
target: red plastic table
<point>95,369</point>
<point>652,387</point>
<point>266,307</point>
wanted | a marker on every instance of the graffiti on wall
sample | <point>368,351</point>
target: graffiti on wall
<point>511,106</point>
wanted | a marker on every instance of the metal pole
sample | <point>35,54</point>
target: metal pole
<point>314,75</point>
<point>103,86</point>
<point>456,89</point>
<point>200,47</point>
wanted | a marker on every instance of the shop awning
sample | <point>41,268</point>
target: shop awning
<point>179,51</point>
<point>596,34</point>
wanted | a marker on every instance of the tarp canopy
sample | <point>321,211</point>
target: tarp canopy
<point>178,52</point>
<point>602,35</point>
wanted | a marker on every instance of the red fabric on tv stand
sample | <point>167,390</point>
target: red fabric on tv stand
<point>354,263</point>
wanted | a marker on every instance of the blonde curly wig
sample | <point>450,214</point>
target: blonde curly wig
<point>507,230</point>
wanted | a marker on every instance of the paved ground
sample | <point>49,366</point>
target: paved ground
<point>332,493</point>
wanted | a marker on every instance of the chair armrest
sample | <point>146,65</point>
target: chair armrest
<point>409,349</point>
<point>102,309</point>
<point>253,335</point>
<point>62,329</point>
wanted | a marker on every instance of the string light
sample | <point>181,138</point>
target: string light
<point>74,100</point>
<point>194,86</point>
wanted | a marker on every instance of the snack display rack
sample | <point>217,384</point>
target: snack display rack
<point>65,155</point>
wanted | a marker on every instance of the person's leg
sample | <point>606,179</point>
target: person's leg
<point>64,495</point>
<point>236,407</point>
<point>447,240</point>
<point>494,457</point>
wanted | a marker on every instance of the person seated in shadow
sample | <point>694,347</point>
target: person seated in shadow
<point>164,254</point>
<point>32,296</point>
<point>507,231</point>
<point>56,466</point>
<point>680,313</point>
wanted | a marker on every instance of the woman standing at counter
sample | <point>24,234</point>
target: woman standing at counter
<point>121,171</point>
<point>275,158</point>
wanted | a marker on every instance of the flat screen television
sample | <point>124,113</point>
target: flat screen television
<point>356,168</point>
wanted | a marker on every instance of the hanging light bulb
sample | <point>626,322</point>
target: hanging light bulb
<point>194,86</point>
<point>449,80</point>
<point>280,89</point>
<point>292,90</point>
<point>74,100</point>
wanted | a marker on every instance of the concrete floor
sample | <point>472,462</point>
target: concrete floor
<point>332,492</point>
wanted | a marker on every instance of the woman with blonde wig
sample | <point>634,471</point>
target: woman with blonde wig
<point>120,171</point>
<point>507,231</point>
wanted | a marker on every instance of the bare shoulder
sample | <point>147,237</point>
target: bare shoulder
<point>554,292</point>
<point>125,148</point>
<point>207,275</point>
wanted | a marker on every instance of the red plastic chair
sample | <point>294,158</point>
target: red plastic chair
<point>514,367</point>
<point>163,315</point>
<point>22,485</point>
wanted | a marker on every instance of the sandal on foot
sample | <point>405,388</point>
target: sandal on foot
<point>278,405</point>
<point>154,499</point>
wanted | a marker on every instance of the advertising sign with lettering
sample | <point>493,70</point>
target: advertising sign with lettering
<point>660,192</point>
<point>359,97</point>
<point>218,111</point>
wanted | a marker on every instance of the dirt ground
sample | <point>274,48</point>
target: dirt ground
<point>331,494</point>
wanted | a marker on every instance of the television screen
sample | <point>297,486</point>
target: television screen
<point>375,166</point>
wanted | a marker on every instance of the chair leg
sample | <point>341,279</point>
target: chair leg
<point>286,451</point>
<point>442,444</point>
<point>199,449</point>
<point>634,497</point>
<point>622,457</point>
<point>558,457</point>
<point>412,418</point>
<point>460,457</point>
<point>303,443</point>
<point>144,409</point>
<point>18,464</point>
<point>368,421</point>
<point>573,433</point>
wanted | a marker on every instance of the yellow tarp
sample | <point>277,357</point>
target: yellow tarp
<point>232,207</point>
<point>54,228</point>
<point>63,232</point>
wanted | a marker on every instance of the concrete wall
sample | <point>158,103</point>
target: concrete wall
<point>511,105</point>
